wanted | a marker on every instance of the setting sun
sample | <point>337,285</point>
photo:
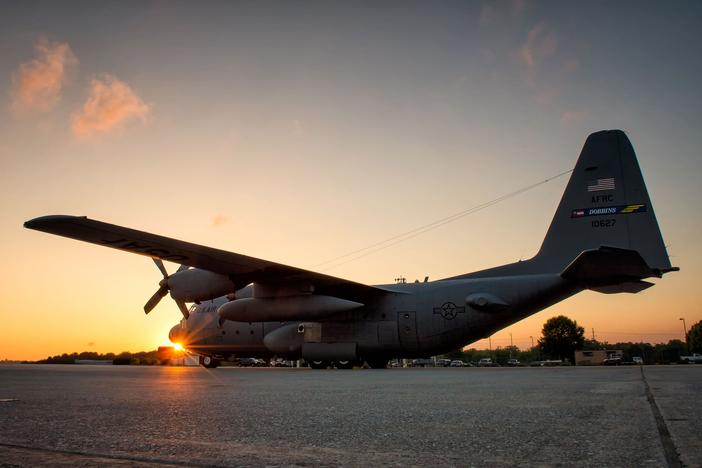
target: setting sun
<point>178,347</point>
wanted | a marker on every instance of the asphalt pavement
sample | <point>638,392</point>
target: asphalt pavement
<point>63,415</point>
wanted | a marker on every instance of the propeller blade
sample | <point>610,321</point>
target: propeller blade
<point>155,299</point>
<point>159,264</point>
<point>163,290</point>
<point>183,309</point>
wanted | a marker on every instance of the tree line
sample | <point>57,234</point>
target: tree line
<point>143,358</point>
<point>561,337</point>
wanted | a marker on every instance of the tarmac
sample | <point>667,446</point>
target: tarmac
<point>63,415</point>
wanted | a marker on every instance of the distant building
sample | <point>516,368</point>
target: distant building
<point>184,360</point>
<point>595,357</point>
<point>169,356</point>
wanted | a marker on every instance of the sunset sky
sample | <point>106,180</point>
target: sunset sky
<point>302,131</point>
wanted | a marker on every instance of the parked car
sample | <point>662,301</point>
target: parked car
<point>553,363</point>
<point>486,362</point>
<point>695,358</point>
<point>443,362</point>
<point>457,363</point>
<point>422,363</point>
<point>252,362</point>
<point>637,360</point>
<point>279,362</point>
<point>513,362</point>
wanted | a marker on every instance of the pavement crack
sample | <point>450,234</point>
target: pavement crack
<point>672,457</point>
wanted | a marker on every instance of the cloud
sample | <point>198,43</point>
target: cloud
<point>91,344</point>
<point>219,220</point>
<point>540,45</point>
<point>110,104</point>
<point>573,118</point>
<point>37,84</point>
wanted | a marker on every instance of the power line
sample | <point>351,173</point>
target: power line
<point>394,240</point>
<point>637,333</point>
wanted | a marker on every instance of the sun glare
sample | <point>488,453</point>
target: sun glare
<point>178,347</point>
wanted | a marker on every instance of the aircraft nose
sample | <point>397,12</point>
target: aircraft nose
<point>176,334</point>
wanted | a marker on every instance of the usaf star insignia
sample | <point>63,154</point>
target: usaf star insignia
<point>449,310</point>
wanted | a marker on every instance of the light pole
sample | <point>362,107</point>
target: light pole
<point>511,345</point>
<point>685,334</point>
<point>532,342</point>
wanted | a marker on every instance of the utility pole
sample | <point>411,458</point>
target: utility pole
<point>593,333</point>
<point>511,345</point>
<point>532,342</point>
<point>687,346</point>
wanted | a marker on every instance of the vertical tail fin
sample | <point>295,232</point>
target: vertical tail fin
<point>605,204</point>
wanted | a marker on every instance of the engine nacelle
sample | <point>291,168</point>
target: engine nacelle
<point>283,309</point>
<point>195,285</point>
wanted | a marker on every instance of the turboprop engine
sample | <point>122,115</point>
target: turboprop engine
<point>189,285</point>
<point>284,308</point>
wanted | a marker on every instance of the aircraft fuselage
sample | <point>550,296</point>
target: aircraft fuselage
<point>416,320</point>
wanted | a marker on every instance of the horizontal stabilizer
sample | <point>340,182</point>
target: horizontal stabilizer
<point>609,266</point>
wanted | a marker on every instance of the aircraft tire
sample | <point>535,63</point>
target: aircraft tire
<point>209,362</point>
<point>377,363</point>
<point>344,364</point>
<point>319,364</point>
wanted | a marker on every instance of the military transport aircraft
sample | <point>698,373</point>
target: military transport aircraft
<point>604,237</point>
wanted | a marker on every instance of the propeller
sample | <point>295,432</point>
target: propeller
<point>163,290</point>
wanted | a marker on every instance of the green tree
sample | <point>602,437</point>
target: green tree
<point>694,338</point>
<point>669,352</point>
<point>560,337</point>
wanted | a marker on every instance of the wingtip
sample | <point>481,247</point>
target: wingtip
<point>43,221</point>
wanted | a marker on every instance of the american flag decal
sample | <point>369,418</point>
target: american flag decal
<point>600,184</point>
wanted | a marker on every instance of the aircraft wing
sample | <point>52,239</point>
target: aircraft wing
<point>242,269</point>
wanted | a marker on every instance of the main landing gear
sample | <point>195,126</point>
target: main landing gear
<point>319,364</point>
<point>377,363</point>
<point>209,362</point>
<point>374,363</point>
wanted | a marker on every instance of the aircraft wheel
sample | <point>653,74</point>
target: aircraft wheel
<point>377,363</point>
<point>319,364</point>
<point>344,364</point>
<point>209,362</point>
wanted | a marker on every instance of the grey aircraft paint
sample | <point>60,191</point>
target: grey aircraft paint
<point>604,237</point>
